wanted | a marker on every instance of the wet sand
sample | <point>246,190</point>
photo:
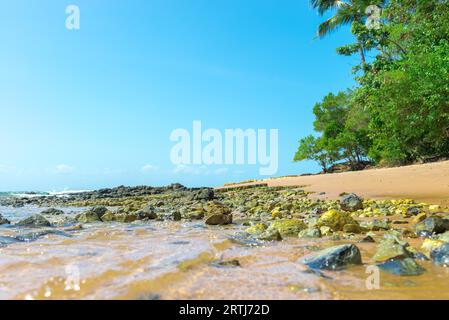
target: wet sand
<point>169,260</point>
<point>424,183</point>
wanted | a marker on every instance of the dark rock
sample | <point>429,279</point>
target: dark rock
<point>413,211</point>
<point>375,225</point>
<point>432,225</point>
<point>440,256</point>
<point>52,212</point>
<point>34,221</point>
<point>367,239</point>
<point>4,220</point>
<point>99,211</point>
<point>226,263</point>
<point>146,213</point>
<point>351,202</point>
<point>334,258</point>
<point>203,195</point>
<point>402,267</point>
<point>219,219</point>
<point>90,216</point>
<point>310,233</point>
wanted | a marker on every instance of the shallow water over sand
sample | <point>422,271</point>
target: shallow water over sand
<point>177,260</point>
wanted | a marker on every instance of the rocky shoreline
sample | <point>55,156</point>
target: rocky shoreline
<point>268,214</point>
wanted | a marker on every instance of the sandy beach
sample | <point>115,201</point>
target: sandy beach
<point>422,182</point>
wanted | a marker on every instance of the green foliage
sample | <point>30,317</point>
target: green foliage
<point>399,112</point>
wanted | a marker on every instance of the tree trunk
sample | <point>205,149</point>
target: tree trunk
<point>362,54</point>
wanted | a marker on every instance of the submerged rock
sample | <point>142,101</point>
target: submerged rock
<point>376,225</point>
<point>219,219</point>
<point>226,263</point>
<point>310,233</point>
<point>336,220</point>
<point>389,248</point>
<point>334,258</point>
<point>52,212</point>
<point>256,228</point>
<point>351,202</point>
<point>36,220</point>
<point>402,267</point>
<point>269,235</point>
<point>440,255</point>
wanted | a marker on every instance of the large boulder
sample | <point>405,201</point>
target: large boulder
<point>334,258</point>
<point>36,220</point>
<point>351,202</point>
<point>432,225</point>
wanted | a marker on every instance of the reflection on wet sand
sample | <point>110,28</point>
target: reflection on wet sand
<point>172,260</point>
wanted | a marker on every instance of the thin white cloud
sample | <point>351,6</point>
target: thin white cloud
<point>64,168</point>
<point>148,168</point>
<point>7,169</point>
<point>221,171</point>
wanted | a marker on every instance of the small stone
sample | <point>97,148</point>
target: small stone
<point>440,255</point>
<point>4,220</point>
<point>310,233</point>
<point>376,225</point>
<point>351,202</point>
<point>429,245</point>
<point>412,211</point>
<point>269,235</point>
<point>325,231</point>
<point>227,263</point>
<point>288,227</point>
<point>147,213</point>
<point>420,217</point>
<point>89,216</point>
<point>367,239</point>
<point>352,228</point>
<point>334,258</point>
<point>52,212</point>
<point>256,228</point>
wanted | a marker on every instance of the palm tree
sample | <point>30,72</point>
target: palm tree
<point>346,12</point>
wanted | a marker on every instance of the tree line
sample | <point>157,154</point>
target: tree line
<point>398,113</point>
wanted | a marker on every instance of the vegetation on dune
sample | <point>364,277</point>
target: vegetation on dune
<point>399,111</point>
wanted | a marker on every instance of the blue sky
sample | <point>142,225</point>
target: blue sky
<point>95,107</point>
